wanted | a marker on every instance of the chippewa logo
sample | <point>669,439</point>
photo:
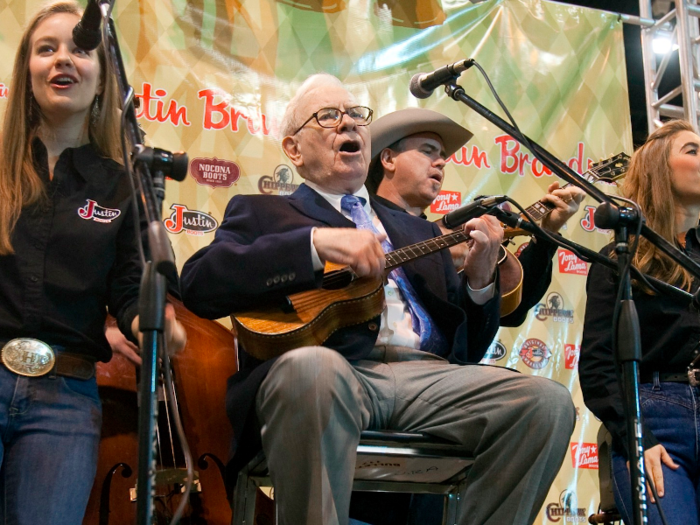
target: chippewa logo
<point>554,307</point>
<point>281,182</point>
<point>535,353</point>
<point>567,509</point>
<point>217,173</point>
<point>584,455</point>
<point>192,222</point>
<point>94,212</point>
<point>496,352</point>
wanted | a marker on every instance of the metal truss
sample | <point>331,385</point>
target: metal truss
<point>681,26</point>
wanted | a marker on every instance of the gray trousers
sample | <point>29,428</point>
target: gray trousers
<point>314,404</point>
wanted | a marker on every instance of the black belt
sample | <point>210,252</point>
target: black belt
<point>665,377</point>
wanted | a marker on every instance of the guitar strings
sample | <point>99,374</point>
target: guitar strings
<point>396,257</point>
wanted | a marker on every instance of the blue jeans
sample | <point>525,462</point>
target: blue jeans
<point>50,428</point>
<point>670,411</point>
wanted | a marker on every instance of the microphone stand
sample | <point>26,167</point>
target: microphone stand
<point>629,353</point>
<point>152,298</point>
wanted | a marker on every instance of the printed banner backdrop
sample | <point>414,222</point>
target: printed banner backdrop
<point>214,77</point>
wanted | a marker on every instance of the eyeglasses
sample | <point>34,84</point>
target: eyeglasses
<point>331,117</point>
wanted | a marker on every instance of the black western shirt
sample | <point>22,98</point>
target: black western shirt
<point>670,333</point>
<point>75,256</point>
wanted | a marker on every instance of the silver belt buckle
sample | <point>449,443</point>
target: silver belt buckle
<point>694,376</point>
<point>28,357</point>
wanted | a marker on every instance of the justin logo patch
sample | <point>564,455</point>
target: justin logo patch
<point>94,212</point>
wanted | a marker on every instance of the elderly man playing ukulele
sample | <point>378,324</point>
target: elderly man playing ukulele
<point>405,369</point>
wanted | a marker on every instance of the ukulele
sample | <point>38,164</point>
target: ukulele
<point>309,318</point>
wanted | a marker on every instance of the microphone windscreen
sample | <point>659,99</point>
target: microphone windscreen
<point>416,89</point>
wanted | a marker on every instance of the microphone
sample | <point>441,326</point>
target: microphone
<point>87,34</point>
<point>423,84</point>
<point>477,208</point>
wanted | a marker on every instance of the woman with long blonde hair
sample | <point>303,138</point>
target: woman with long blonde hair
<point>68,254</point>
<point>664,179</point>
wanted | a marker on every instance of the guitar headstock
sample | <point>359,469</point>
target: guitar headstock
<point>610,169</point>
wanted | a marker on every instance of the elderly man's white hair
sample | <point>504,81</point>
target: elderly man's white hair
<point>292,120</point>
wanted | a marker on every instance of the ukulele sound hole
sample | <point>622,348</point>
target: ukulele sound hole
<point>337,279</point>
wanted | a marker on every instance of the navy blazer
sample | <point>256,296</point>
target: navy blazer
<point>262,253</point>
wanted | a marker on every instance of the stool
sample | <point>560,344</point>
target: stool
<point>386,462</point>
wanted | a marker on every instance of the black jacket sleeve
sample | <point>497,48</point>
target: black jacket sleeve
<point>245,267</point>
<point>125,277</point>
<point>536,260</point>
<point>598,372</point>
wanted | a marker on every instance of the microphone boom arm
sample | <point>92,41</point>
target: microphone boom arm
<point>457,93</point>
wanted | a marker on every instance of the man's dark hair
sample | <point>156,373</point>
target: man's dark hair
<point>376,170</point>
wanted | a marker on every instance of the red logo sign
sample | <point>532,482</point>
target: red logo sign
<point>571,353</point>
<point>446,201</point>
<point>97,213</point>
<point>569,263</point>
<point>215,172</point>
<point>584,455</point>
<point>192,222</point>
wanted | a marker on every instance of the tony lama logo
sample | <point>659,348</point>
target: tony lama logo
<point>496,352</point>
<point>584,455</point>
<point>281,182</point>
<point>569,263</point>
<point>95,212</point>
<point>192,222</point>
<point>446,201</point>
<point>554,308</point>
<point>535,353</point>
<point>566,508</point>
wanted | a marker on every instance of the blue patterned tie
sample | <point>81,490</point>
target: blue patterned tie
<point>431,339</point>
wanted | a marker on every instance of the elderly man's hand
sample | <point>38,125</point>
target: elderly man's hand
<point>359,249</point>
<point>485,238</point>
<point>175,335</point>
<point>566,200</point>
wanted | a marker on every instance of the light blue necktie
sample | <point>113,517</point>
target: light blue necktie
<point>431,339</point>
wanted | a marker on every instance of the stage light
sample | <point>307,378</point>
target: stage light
<point>662,44</point>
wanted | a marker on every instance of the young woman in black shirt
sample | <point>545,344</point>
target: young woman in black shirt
<point>664,179</point>
<point>68,254</point>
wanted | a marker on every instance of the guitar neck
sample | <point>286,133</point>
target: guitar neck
<point>541,209</point>
<point>420,249</point>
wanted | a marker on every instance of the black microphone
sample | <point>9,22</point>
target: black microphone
<point>87,34</point>
<point>477,208</point>
<point>423,84</point>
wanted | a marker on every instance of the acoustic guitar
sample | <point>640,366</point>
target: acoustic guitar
<point>510,271</point>
<point>309,318</point>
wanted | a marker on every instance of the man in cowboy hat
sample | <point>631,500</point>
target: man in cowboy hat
<point>410,148</point>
